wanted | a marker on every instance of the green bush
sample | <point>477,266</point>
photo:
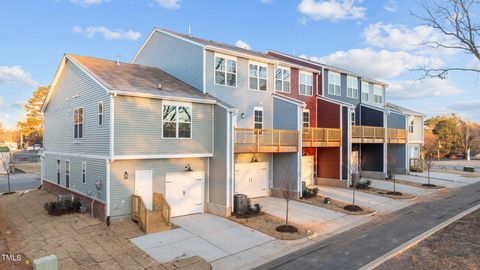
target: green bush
<point>58,208</point>
<point>363,184</point>
<point>309,193</point>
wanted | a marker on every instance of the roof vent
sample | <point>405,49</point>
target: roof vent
<point>159,86</point>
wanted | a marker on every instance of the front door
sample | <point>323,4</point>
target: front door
<point>307,170</point>
<point>144,187</point>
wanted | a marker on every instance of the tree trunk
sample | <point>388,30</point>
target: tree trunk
<point>286,215</point>
<point>8,180</point>
<point>468,154</point>
<point>428,172</point>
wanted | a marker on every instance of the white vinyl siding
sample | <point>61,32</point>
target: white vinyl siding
<point>365,91</point>
<point>305,81</point>
<point>334,83</point>
<point>352,87</point>
<point>177,121</point>
<point>78,123</point>
<point>282,80</point>
<point>225,71</point>
<point>257,76</point>
<point>378,94</point>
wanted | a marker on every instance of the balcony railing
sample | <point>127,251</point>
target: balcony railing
<point>265,140</point>
<point>368,134</point>
<point>396,135</point>
<point>321,137</point>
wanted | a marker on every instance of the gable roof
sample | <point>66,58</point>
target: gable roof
<point>395,107</point>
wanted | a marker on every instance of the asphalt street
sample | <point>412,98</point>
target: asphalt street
<point>19,181</point>
<point>359,246</point>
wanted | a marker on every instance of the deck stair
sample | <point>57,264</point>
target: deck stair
<point>156,220</point>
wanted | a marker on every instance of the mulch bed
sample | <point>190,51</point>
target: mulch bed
<point>385,193</point>
<point>336,205</point>
<point>268,224</point>
<point>415,184</point>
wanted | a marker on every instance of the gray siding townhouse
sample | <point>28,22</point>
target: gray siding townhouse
<point>263,132</point>
<point>116,129</point>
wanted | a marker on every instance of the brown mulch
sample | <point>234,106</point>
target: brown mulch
<point>336,205</point>
<point>267,224</point>
<point>457,246</point>
<point>384,193</point>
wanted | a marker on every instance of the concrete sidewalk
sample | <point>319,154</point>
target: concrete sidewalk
<point>407,189</point>
<point>449,183</point>
<point>449,177</point>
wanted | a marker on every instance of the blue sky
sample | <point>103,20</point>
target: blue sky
<point>377,38</point>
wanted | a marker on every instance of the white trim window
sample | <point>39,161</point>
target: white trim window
<point>354,121</point>
<point>78,120</point>
<point>100,113</point>
<point>67,173</point>
<point>365,91</point>
<point>225,71</point>
<point>334,83</point>
<point>352,87</point>
<point>177,121</point>
<point>84,172</point>
<point>305,83</point>
<point>257,76</point>
<point>378,94</point>
<point>59,170</point>
<point>306,118</point>
<point>258,118</point>
<point>411,126</point>
<point>282,79</point>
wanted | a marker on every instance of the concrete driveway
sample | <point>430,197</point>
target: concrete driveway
<point>204,235</point>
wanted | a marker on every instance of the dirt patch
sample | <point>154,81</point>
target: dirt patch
<point>78,240</point>
<point>455,247</point>
<point>268,224</point>
<point>336,205</point>
<point>415,184</point>
<point>385,193</point>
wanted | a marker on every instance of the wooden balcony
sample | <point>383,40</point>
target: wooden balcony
<point>397,135</point>
<point>249,140</point>
<point>368,134</point>
<point>321,137</point>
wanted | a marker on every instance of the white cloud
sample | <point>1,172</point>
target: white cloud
<point>267,1</point>
<point>412,89</point>
<point>16,74</point>
<point>242,44</point>
<point>87,3</point>
<point>377,64</point>
<point>108,34</point>
<point>170,4</point>
<point>333,10</point>
<point>391,6</point>
<point>468,105</point>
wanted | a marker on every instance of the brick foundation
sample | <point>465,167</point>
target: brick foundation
<point>98,206</point>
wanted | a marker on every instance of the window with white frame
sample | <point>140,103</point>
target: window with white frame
<point>306,118</point>
<point>353,119</point>
<point>282,79</point>
<point>411,126</point>
<point>365,91</point>
<point>225,71</point>
<point>100,113</point>
<point>59,170</point>
<point>258,118</point>
<point>177,121</point>
<point>352,87</point>
<point>305,83</point>
<point>67,173</point>
<point>78,123</point>
<point>84,172</point>
<point>258,77</point>
<point>378,94</point>
<point>334,83</point>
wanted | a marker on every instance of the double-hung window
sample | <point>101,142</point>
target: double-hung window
<point>305,81</point>
<point>282,79</point>
<point>334,83</point>
<point>225,71</point>
<point>365,91</point>
<point>100,113</point>
<point>78,123</point>
<point>258,77</point>
<point>352,87</point>
<point>59,170</point>
<point>258,118</point>
<point>67,173</point>
<point>353,118</point>
<point>177,121</point>
<point>306,118</point>
<point>84,172</point>
<point>411,126</point>
<point>378,94</point>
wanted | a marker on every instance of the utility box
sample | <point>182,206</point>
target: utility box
<point>46,263</point>
<point>240,204</point>
<point>468,169</point>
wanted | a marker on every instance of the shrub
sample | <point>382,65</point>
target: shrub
<point>309,193</point>
<point>58,208</point>
<point>327,200</point>
<point>363,184</point>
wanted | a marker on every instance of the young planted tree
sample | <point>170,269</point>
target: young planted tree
<point>393,164</point>
<point>355,172</point>
<point>288,190</point>
<point>428,158</point>
<point>6,167</point>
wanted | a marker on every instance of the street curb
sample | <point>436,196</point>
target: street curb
<point>416,240</point>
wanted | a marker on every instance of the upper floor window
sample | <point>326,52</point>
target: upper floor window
<point>258,77</point>
<point>352,87</point>
<point>225,71</point>
<point>334,83</point>
<point>365,91</point>
<point>177,121</point>
<point>305,80</point>
<point>258,118</point>
<point>354,120</point>
<point>411,126</point>
<point>378,94</point>
<point>306,118</point>
<point>78,123</point>
<point>84,172</point>
<point>100,113</point>
<point>282,80</point>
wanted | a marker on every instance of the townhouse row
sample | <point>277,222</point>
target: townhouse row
<point>200,121</point>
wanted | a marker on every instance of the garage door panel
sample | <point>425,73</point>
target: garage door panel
<point>185,192</point>
<point>251,179</point>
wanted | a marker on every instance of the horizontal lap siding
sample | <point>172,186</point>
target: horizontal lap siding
<point>218,163</point>
<point>400,152</point>
<point>396,120</point>
<point>58,123</point>
<point>96,171</point>
<point>417,135</point>
<point>122,189</point>
<point>285,115</point>
<point>138,129</point>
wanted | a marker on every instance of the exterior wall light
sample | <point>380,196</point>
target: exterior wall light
<point>125,175</point>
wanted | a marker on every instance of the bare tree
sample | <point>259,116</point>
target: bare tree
<point>428,158</point>
<point>355,172</point>
<point>468,134</point>
<point>6,166</point>
<point>289,192</point>
<point>454,19</point>
<point>393,165</point>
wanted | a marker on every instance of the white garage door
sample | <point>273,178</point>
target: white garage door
<point>185,192</point>
<point>251,179</point>
<point>307,170</point>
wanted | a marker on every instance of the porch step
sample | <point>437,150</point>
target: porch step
<point>156,223</point>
